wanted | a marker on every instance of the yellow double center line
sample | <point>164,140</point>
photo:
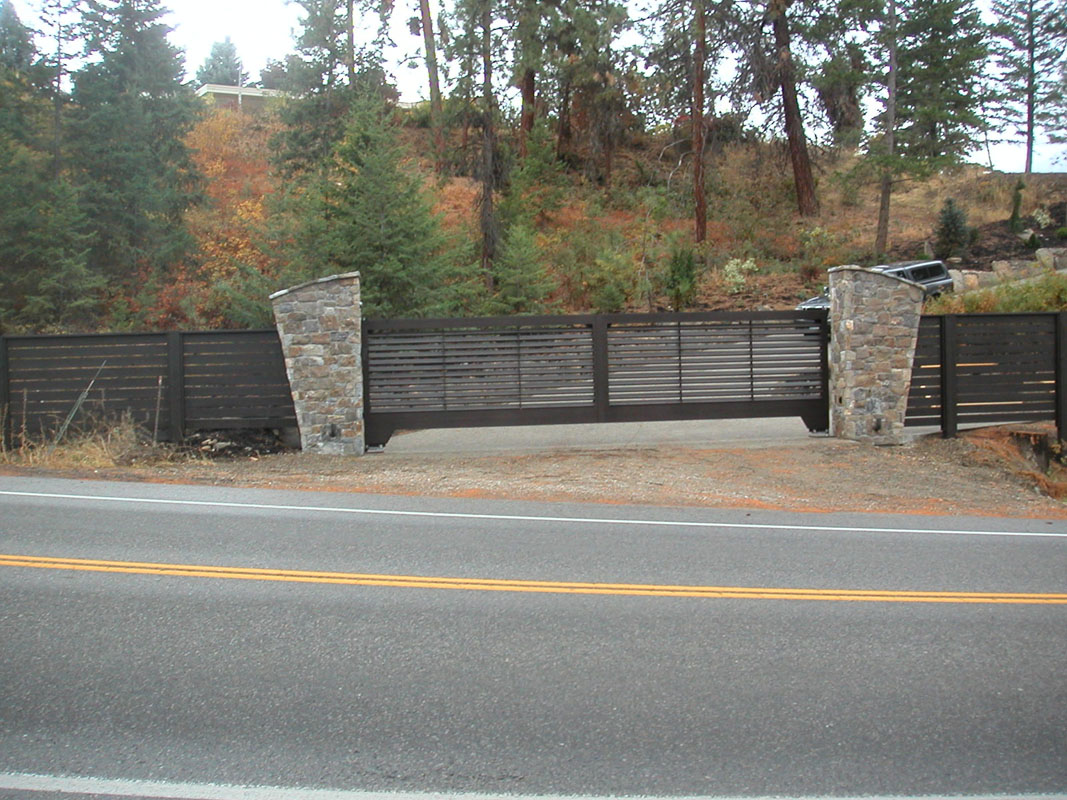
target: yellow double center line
<point>543,587</point>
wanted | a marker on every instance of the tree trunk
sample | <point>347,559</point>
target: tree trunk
<point>528,87</point>
<point>350,54</point>
<point>794,123</point>
<point>881,238</point>
<point>57,105</point>
<point>563,132</point>
<point>436,108</point>
<point>700,200</point>
<point>1031,85</point>
<point>488,216</point>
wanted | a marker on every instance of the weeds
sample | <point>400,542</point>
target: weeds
<point>98,445</point>
<point>735,274</point>
<point>1047,293</point>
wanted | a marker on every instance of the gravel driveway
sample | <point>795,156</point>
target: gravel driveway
<point>777,466</point>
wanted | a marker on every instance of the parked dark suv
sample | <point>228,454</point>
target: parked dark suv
<point>931,275</point>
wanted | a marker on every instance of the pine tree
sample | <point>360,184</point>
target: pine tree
<point>324,79</point>
<point>835,56</point>
<point>46,283</point>
<point>222,66</point>
<point>131,114</point>
<point>16,41</point>
<point>1057,112</point>
<point>522,285</point>
<point>1031,36</point>
<point>778,14</point>
<point>692,39</point>
<point>61,23</point>
<point>942,50</point>
<point>933,56</point>
<point>20,112</point>
<point>371,216</point>
<point>953,235</point>
<point>424,24</point>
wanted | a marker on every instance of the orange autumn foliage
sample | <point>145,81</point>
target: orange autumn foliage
<point>231,150</point>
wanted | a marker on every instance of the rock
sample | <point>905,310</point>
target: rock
<point>1052,258</point>
<point>1017,270</point>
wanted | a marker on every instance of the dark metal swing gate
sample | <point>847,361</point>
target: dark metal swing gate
<point>602,368</point>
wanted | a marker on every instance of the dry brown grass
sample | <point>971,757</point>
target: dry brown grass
<point>98,445</point>
<point>1031,452</point>
<point>985,196</point>
<point>456,200</point>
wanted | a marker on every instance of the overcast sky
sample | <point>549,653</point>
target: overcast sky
<point>263,29</point>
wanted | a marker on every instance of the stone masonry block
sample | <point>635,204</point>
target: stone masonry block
<point>319,327</point>
<point>875,321</point>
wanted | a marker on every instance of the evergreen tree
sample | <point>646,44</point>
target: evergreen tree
<point>16,41</point>
<point>835,56</point>
<point>933,55</point>
<point>1031,36</point>
<point>692,40</point>
<point>1057,112</point>
<point>222,66</point>
<point>20,112</point>
<point>424,24</point>
<point>323,80</point>
<point>785,72</point>
<point>131,114</point>
<point>942,51</point>
<point>371,216</point>
<point>46,283</point>
<point>522,285</point>
<point>61,22</point>
<point>953,235</point>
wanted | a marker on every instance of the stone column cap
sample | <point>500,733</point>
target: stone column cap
<point>872,271</point>
<point>327,279</point>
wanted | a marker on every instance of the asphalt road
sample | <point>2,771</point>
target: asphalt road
<point>449,646</point>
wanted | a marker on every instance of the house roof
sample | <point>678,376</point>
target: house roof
<point>237,91</point>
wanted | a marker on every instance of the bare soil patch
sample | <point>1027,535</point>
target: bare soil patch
<point>1009,472</point>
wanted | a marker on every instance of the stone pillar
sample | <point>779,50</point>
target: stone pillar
<point>319,325</point>
<point>874,323</point>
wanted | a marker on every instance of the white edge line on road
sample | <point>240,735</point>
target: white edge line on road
<point>160,790</point>
<point>524,518</point>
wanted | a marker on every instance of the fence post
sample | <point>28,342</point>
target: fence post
<point>1061,375</point>
<point>949,398</point>
<point>5,395</point>
<point>600,367</point>
<point>176,385</point>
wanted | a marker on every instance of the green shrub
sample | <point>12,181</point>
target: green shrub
<point>1042,217</point>
<point>1015,221</point>
<point>735,272</point>
<point>1061,233</point>
<point>522,285</point>
<point>681,283</point>
<point>953,235</point>
<point>1048,293</point>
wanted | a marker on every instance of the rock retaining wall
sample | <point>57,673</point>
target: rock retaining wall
<point>874,323</point>
<point>1045,260</point>
<point>320,326</point>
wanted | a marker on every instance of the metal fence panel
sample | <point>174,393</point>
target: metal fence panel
<point>620,367</point>
<point>165,382</point>
<point>986,368</point>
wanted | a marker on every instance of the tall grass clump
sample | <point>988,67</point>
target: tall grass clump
<point>96,444</point>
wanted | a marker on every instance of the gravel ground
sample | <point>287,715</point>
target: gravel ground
<point>984,473</point>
